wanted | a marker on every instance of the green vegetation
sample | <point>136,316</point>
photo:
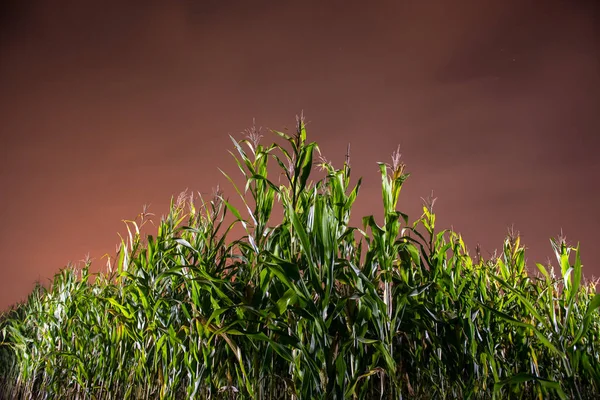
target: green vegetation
<point>305,307</point>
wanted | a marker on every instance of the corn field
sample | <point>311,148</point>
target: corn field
<point>302,305</point>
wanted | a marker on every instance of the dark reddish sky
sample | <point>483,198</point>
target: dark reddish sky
<point>108,105</point>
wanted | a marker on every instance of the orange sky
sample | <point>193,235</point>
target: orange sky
<point>105,107</point>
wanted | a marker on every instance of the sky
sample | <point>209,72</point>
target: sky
<point>109,105</point>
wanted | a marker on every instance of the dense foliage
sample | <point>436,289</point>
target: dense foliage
<point>304,306</point>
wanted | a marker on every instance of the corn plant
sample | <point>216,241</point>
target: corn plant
<point>302,304</point>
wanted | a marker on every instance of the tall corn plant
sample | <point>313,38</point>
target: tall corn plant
<point>304,306</point>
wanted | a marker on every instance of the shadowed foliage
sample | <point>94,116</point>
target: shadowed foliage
<point>304,305</point>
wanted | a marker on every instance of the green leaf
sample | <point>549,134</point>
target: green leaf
<point>587,319</point>
<point>289,297</point>
<point>524,377</point>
